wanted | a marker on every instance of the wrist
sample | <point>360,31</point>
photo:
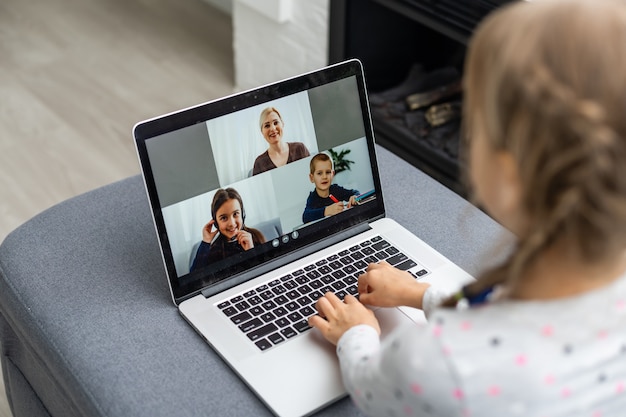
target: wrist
<point>415,297</point>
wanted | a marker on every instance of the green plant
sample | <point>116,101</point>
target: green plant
<point>339,160</point>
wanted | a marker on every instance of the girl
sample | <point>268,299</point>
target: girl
<point>228,217</point>
<point>545,331</point>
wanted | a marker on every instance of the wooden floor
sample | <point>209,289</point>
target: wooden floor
<point>76,75</point>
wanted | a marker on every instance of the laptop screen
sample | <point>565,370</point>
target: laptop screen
<point>259,176</point>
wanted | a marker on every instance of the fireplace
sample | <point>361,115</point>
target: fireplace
<point>412,52</point>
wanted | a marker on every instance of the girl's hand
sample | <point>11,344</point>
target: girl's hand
<point>352,202</point>
<point>245,239</point>
<point>336,316</point>
<point>207,234</point>
<point>382,285</point>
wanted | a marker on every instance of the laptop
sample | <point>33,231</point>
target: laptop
<point>246,268</point>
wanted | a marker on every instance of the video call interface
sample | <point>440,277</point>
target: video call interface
<point>328,175</point>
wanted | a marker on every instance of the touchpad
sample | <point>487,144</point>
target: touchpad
<point>389,319</point>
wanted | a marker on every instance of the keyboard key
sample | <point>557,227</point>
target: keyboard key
<point>406,265</point>
<point>241,317</point>
<point>281,299</point>
<point>381,256</point>
<point>249,294</point>
<point>347,260</point>
<point>280,311</point>
<point>263,344</point>
<point>229,311</point>
<point>349,269</point>
<point>338,274</point>
<point>396,259</point>
<point>325,270</point>
<point>288,332</point>
<point>316,284</point>
<point>266,295</point>
<point>282,322</point>
<point>255,323</point>
<point>223,305</point>
<point>292,306</point>
<point>262,332</point>
<point>315,295</point>
<point>292,295</point>
<point>309,267</point>
<point>242,306</point>
<point>322,262</point>
<point>304,289</point>
<point>303,279</point>
<point>307,311</point>
<point>358,255</point>
<point>381,245</point>
<point>294,317</point>
<point>368,251</point>
<point>360,265</point>
<point>279,289</point>
<point>276,338</point>
<point>255,299</point>
<point>301,326</point>
<point>290,285</point>
<point>269,305</point>
<point>327,279</point>
<point>421,272</point>
<point>303,301</point>
<point>267,317</point>
<point>338,285</point>
<point>313,274</point>
<point>256,310</point>
<point>392,250</point>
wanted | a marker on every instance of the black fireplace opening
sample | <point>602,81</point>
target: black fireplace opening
<point>412,53</point>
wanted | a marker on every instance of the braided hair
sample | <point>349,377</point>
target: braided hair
<point>544,80</point>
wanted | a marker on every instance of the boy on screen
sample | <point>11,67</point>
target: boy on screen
<point>326,199</point>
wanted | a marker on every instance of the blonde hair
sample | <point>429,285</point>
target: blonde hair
<point>267,111</point>
<point>544,80</point>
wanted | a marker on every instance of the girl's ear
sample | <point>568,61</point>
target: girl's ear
<point>510,190</point>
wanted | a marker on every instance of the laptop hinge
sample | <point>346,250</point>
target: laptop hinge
<point>284,260</point>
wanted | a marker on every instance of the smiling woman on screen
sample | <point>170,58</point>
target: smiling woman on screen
<point>279,153</point>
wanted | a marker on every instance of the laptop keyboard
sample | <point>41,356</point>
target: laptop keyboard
<point>278,310</point>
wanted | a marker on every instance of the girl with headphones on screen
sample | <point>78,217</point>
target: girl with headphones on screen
<point>543,333</point>
<point>225,234</point>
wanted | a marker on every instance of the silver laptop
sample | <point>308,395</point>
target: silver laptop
<point>248,248</point>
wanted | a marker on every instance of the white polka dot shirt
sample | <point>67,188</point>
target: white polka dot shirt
<point>562,358</point>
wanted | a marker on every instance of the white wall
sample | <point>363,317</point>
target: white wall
<point>269,46</point>
<point>224,5</point>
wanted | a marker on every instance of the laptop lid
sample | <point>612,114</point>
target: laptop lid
<point>193,159</point>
